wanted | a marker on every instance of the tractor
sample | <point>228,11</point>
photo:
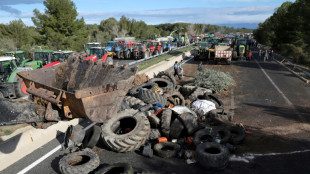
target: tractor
<point>203,51</point>
<point>156,45</point>
<point>90,45</point>
<point>240,48</point>
<point>11,86</point>
<point>140,51</point>
<point>40,58</point>
<point>113,49</point>
<point>20,57</point>
<point>99,53</point>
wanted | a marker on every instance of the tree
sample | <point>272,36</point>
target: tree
<point>59,25</point>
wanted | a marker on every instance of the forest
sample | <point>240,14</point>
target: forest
<point>287,31</point>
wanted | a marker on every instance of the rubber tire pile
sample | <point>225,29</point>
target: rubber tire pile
<point>155,116</point>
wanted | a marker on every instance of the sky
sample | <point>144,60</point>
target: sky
<point>237,13</point>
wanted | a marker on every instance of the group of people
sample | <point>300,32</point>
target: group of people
<point>265,55</point>
<point>176,68</point>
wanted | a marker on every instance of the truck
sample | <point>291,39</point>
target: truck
<point>223,54</point>
<point>202,52</point>
<point>11,86</point>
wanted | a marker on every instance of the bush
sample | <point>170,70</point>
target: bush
<point>213,79</point>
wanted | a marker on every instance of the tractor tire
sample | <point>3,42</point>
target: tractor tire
<point>161,51</point>
<point>119,139</point>
<point>235,55</point>
<point>167,149</point>
<point>218,103</point>
<point>212,156</point>
<point>127,54</point>
<point>1,95</point>
<point>204,135</point>
<point>150,97</point>
<point>20,88</point>
<point>124,168</point>
<point>189,121</point>
<point>135,90</point>
<point>176,99</point>
<point>92,137</point>
<point>166,74</point>
<point>196,94</point>
<point>154,134</point>
<point>165,122</point>
<point>176,129</point>
<point>237,135</point>
<point>145,55</point>
<point>133,101</point>
<point>156,52</point>
<point>164,84</point>
<point>77,162</point>
<point>109,61</point>
<point>224,135</point>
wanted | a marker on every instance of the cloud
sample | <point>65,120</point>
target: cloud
<point>191,15</point>
<point>5,5</point>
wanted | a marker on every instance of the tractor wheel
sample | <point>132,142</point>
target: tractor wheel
<point>144,55</point>
<point>166,74</point>
<point>156,52</point>
<point>119,55</point>
<point>1,95</point>
<point>150,97</point>
<point>20,88</point>
<point>127,54</point>
<point>161,51</point>
<point>235,55</point>
<point>109,61</point>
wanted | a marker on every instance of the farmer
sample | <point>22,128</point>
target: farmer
<point>175,67</point>
<point>250,55</point>
<point>260,53</point>
<point>266,55</point>
<point>271,55</point>
<point>200,66</point>
<point>181,67</point>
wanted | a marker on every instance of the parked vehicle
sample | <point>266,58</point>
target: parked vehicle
<point>90,45</point>
<point>157,48</point>
<point>112,48</point>
<point>20,57</point>
<point>101,54</point>
<point>223,54</point>
<point>140,51</point>
<point>202,51</point>
<point>240,48</point>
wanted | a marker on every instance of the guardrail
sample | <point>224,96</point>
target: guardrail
<point>152,57</point>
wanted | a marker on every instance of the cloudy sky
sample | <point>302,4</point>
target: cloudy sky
<point>240,13</point>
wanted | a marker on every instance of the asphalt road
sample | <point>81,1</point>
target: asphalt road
<point>267,98</point>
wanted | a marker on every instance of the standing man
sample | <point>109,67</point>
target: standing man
<point>271,55</point>
<point>175,67</point>
<point>181,68</point>
<point>260,55</point>
<point>266,55</point>
<point>200,66</point>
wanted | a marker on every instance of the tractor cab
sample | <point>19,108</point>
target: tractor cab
<point>99,53</point>
<point>90,45</point>
<point>111,46</point>
<point>20,57</point>
<point>7,67</point>
<point>45,56</point>
<point>60,56</point>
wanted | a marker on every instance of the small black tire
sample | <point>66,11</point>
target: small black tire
<point>237,135</point>
<point>166,85</point>
<point>74,163</point>
<point>124,168</point>
<point>92,137</point>
<point>195,94</point>
<point>150,97</point>
<point>176,99</point>
<point>218,103</point>
<point>224,135</point>
<point>135,90</point>
<point>165,122</point>
<point>204,135</point>
<point>154,134</point>
<point>128,141</point>
<point>212,156</point>
<point>176,128</point>
<point>167,149</point>
<point>163,74</point>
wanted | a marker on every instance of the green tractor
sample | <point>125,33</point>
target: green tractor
<point>202,52</point>
<point>11,86</point>
<point>40,58</point>
<point>20,57</point>
<point>241,47</point>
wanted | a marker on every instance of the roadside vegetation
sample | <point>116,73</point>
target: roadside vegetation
<point>59,28</point>
<point>287,31</point>
<point>215,80</point>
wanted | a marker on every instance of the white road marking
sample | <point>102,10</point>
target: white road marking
<point>38,161</point>
<point>282,94</point>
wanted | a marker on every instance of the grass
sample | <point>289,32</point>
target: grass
<point>154,61</point>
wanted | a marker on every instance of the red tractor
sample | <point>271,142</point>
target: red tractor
<point>140,51</point>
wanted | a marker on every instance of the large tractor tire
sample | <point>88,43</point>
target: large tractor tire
<point>156,52</point>
<point>124,168</point>
<point>126,131</point>
<point>133,101</point>
<point>20,88</point>
<point>176,99</point>
<point>235,55</point>
<point>109,61</point>
<point>83,161</point>
<point>119,55</point>
<point>127,55</point>
<point>166,74</point>
<point>135,90</point>
<point>165,122</point>
<point>150,97</point>
<point>164,84</point>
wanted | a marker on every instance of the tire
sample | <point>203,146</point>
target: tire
<point>124,168</point>
<point>235,55</point>
<point>166,85</point>
<point>212,156</point>
<point>237,135</point>
<point>1,95</point>
<point>168,75</point>
<point>119,55</point>
<point>127,55</point>
<point>73,163</point>
<point>154,134</point>
<point>156,52</point>
<point>144,54</point>
<point>167,149</point>
<point>109,61</point>
<point>20,88</point>
<point>219,104</point>
<point>224,135</point>
<point>135,90</point>
<point>176,129</point>
<point>133,101</point>
<point>176,99</point>
<point>124,106</point>
<point>150,97</point>
<point>165,122</point>
<point>129,141</point>
<point>189,121</point>
<point>196,94</point>
<point>91,139</point>
<point>204,135</point>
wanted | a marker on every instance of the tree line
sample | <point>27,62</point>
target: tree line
<point>59,28</point>
<point>287,31</point>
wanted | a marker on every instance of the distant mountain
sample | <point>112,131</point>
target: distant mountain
<point>242,25</point>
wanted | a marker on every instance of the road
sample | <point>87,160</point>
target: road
<point>267,99</point>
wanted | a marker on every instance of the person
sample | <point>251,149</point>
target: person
<point>181,67</point>
<point>271,55</point>
<point>266,55</point>
<point>250,55</point>
<point>175,67</point>
<point>260,53</point>
<point>200,66</point>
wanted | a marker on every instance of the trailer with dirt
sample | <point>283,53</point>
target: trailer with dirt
<point>223,54</point>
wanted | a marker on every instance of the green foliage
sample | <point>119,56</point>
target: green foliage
<point>287,31</point>
<point>213,79</point>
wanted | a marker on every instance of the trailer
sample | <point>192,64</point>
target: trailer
<point>223,54</point>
